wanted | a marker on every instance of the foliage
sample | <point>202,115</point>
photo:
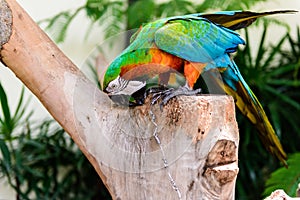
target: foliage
<point>286,179</point>
<point>274,78</point>
<point>9,122</point>
<point>40,161</point>
<point>111,15</point>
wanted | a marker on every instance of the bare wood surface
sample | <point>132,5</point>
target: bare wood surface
<point>280,195</point>
<point>198,135</point>
<point>200,140</point>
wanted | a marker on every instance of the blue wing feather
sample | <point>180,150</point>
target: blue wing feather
<point>196,40</point>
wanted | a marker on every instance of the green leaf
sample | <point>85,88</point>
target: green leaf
<point>247,51</point>
<point>6,155</point>
<point>286,179</point>
<point>4,106</point>
<point>285,82</point>
<point>280,70</point>
<point>20,102</point>
<point>261,50</point>
<point>135,17</point>
<point>59,24</point>
<point>283,97</point>
<point>274,51</point>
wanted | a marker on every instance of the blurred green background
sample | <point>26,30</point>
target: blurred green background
<point>40,161</point>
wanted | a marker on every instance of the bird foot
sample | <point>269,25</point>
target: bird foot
<point>166,94</point>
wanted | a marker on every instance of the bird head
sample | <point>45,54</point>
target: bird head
<point>121,86</point>
<point>123,92</point>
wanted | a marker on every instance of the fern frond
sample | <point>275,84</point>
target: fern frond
<point>286,179</point>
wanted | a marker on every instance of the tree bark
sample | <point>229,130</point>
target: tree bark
<point>186,151</point>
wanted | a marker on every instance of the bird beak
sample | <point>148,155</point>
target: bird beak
<point>120,99</point>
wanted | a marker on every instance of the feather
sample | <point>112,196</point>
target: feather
<point>235,20</point>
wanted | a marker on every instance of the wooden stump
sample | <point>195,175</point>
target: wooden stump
<point>199,137</point>
<point>187,151</point>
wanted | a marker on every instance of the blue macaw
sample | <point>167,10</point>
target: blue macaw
<point>174,52</point>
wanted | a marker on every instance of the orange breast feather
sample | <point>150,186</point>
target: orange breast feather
<point>160,62</point>
<point>192,71</point>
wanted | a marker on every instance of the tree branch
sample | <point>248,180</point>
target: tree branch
<point>190,146</point>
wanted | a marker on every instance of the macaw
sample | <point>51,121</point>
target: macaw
<point>168,57</point>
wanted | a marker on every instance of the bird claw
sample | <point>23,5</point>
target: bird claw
<point>166,95</point>
<point>159,94</point>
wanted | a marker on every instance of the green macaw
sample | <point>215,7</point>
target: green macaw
<point>169,56</point>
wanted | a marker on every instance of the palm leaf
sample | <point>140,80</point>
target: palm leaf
<point>5,108</point>
<point>286,179</point>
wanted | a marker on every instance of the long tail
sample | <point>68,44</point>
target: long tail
<point>252,109</point>
<point>249,105</point>
<point>239,19</point>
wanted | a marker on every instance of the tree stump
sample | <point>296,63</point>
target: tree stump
<point>199,137</point>
<point>186,151</point>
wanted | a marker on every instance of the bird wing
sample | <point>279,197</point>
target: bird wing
<point>196,39</point>
<point>235,20</point>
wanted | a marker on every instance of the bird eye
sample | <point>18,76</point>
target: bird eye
<point>113,86</point>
